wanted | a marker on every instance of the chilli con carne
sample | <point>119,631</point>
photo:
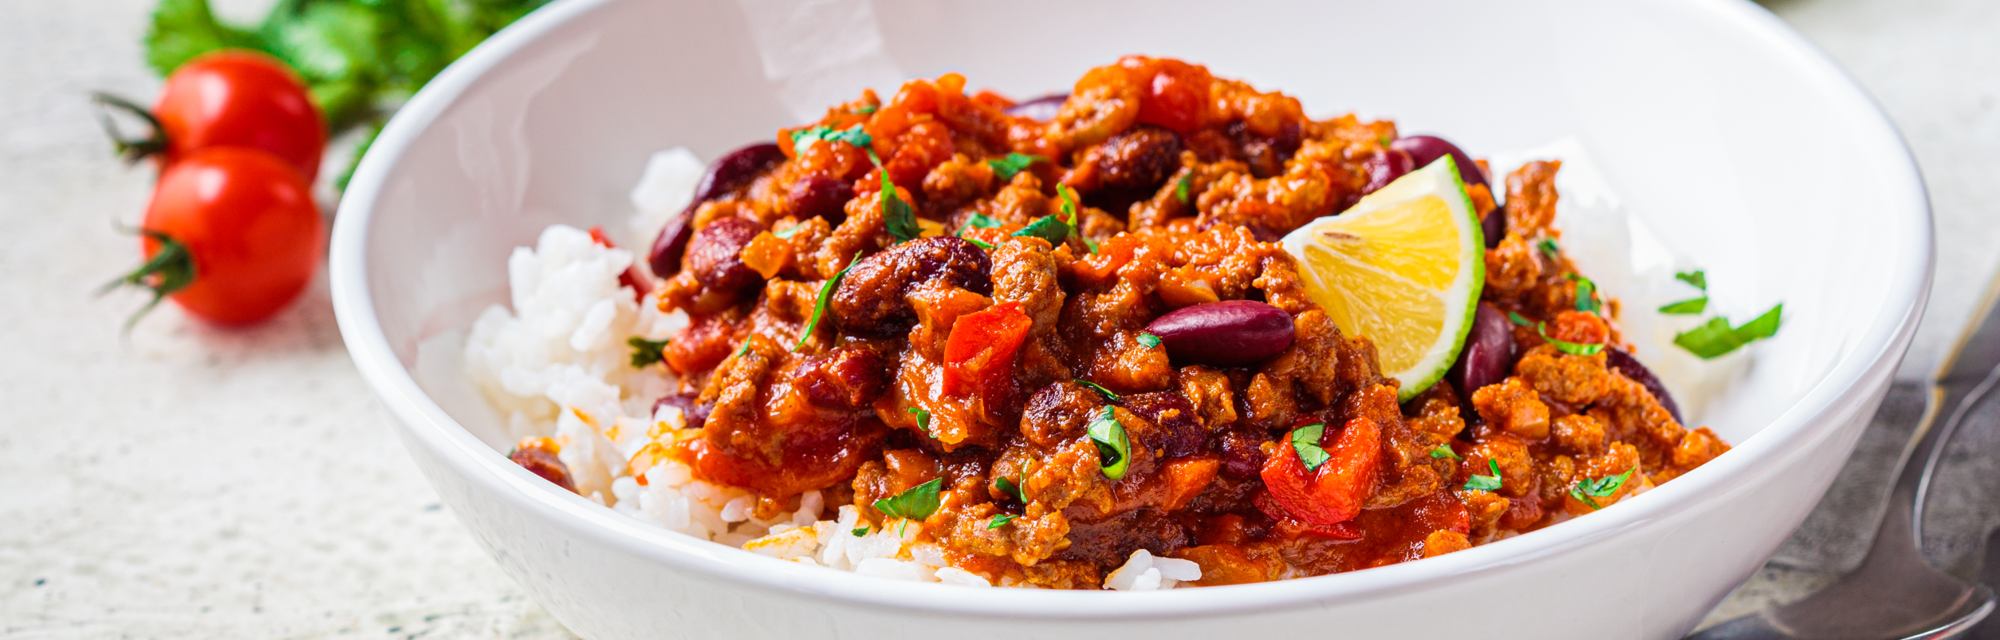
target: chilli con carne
<point>1061,331</point>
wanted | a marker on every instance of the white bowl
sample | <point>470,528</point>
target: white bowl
<point>1744,148</point>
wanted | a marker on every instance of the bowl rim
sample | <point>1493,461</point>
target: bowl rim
<point>1879,350</point>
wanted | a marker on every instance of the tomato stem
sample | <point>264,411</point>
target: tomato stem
<point>131,149</point>
<point>170,269</point>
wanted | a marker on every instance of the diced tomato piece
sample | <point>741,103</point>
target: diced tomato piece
<point>631,277</point>
<point>979,356</point>
<point>1175,93</point>
<point>1335,492</point>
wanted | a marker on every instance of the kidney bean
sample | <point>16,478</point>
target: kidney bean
<point>736,168</point>
<point>542,462</point>
<point>715,254</point>
<point>1138,160</point>
<point>727,172</point>
<point>1385,167</point>
<point>1243,452</point>
<point>672,243</point>
<point>818,196</point>
<point>1489,349</point>
<point>847,377</point>
<point>1632,369</point>
<point>870,299</point>
<point>1494,226</point>
<point>1041,109</point>
<point>695,413</point>
<point>1178,430</point>
<point>1427,149</point>
<point>1230,332</point>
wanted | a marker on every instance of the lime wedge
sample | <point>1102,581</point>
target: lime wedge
<point>1403,267</point>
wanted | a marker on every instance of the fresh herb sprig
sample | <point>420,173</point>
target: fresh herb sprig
<point>1114,447</point>
<point>1586,490</point>
<point>897,216</point>
<point>646,352</point>
<point>916,503</point>
<point>1306,441</point>
<point>821,303</point>
<point>1005,168</point>
<point>1716,338</point>
<point>1485,483</point>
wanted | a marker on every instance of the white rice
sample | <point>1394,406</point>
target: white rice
<point>557,365</point>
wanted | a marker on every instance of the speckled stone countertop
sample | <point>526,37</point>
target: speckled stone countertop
<point>188,482</point>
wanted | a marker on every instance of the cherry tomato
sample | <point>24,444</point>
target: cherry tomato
<point>240,99</point>
<point>245,222</point>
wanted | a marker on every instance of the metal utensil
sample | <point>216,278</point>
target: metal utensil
<point>1895,594</point>
<point>1989,574</point>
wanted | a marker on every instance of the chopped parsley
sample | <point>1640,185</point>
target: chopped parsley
<point>863,110</point>
<point>979,221</point>
<point>1148,340</point>
<point>1687,307</point>
<point>1014,163</point>
<point>1697,277</point>
<point>859,531</point>
<point>1010,487</point>
<point>1517,319</point>
<point>803,140</point>
<point>1100,389</point>
<point>979,243</point>
<point>820,304</point>
<point>1586,293</point>
<point>1572,348</point>
<point>746,348</point>
<point>1691,306</point>
<point>923,419</point>
<point>1181,188</point>
<point>1716,337</point>
<point>789,231</point>
<point>1049,227</point>
<point>915,504</point>
<point>646,352</point>
<point>1306,440</point>
<point>1000,521</point>
<point>1444,451</point>
<point>1587,489</point>
<point>1549,248</point>
<point>897,216</point>
<point>1114,448</point>
<point>1069,206</point>
<point>1485,483</point>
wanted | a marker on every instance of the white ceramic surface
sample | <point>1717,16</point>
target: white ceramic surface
<point>1742,147</point>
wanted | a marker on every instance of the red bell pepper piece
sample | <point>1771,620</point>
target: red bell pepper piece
<point>1335,492</point>
<point>980,353</point>
<point>631,277</point>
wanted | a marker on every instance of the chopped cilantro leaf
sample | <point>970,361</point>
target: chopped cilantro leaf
<point>1100,389</point>
<point>979,243</point>
<point>1485,483</point>
<point>1444,451</point>
<point>859,531</point>
<point>1181,188</point>
<point>1049,227</point>
<point>1306,441</point>
<point>1697,277</point>
<point>918,503</point>
<point>820,304</point>
<point>1069,207</point>
<point>1000,521</point>
<point>979,221</point>
<point>1114,448</point>
<point>1686,307</point>
<point>645,352</point>
<point>1716,337</point>
<point>1010,487</point>
<point>1586,293</point>
<point>897,216</point>
<point>1549,248</point>
<point>803,140</point>
<point>1014,163</point>
<point>1572,348</point>
<point>788,232</point>
<point>1603,487</point>
<point>1087,242</point>
<point>863,110</point>
<point>923,419</point>
<point>1148,340</point>
<point>1517,319</point>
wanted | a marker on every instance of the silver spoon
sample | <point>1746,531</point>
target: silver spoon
<point>1895,594</point>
